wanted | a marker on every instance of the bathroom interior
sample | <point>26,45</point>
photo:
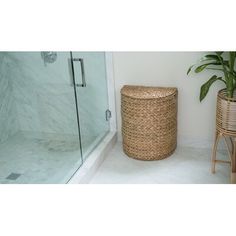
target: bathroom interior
<point>105,126</point>
<point>61,118</point>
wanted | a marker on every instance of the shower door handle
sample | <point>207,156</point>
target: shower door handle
<point>81,60</point>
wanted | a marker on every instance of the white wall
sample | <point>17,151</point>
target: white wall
<point>196,121</point>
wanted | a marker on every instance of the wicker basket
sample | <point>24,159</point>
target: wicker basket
<point>149,121</point>
<point>226,113</point>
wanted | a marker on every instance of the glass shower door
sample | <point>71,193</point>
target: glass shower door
<point>92,97</point>
<point>39,138</point>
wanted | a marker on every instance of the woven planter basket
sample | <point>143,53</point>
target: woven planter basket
<point>226,113</point>
<point>149,121</point>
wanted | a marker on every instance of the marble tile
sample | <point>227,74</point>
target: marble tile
<point>39,160</point>
<point>186,166</point>
<point>45,99</point>
<point>8,113</point>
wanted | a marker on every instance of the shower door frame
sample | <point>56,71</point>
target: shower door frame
<point>111,90</point>
<point>90,164</point>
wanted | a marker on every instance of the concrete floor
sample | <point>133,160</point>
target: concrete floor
<point>186,166</point>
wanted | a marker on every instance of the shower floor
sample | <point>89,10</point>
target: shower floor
<point>30,159</point>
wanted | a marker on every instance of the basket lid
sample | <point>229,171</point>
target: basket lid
<point>143,92</point>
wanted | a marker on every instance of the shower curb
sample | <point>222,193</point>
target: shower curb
<point>85,173</point>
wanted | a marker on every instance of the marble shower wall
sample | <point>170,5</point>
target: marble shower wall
<point>44,95</point>
<point>8,113</point>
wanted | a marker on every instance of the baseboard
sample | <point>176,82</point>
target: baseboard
<point>189,141</point>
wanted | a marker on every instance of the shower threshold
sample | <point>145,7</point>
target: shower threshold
<point>85,173</point>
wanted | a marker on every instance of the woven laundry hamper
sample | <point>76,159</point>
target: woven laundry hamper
<point>149,121</point>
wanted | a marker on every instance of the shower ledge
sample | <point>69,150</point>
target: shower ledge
<point>84,174</point>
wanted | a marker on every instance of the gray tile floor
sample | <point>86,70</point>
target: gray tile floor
<point>186,166</point>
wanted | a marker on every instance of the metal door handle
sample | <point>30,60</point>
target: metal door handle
<point>82,72</point>
<point>81,60</point>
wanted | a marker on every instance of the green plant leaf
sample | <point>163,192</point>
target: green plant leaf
<point>189,69</point>
<point>213,57</point>
<point>202,67</point>
<point>217,59</point>
<point>231,60</point>
<point>226,63</point>
<point>205,87</point>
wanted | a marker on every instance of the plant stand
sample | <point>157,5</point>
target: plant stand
<point>226,128</point>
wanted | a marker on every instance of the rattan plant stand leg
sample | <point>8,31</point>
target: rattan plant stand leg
<point>213,160</point>
<point>233,161</point>
<point>231,148</point>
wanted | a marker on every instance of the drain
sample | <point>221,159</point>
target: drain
<point>13,176</point>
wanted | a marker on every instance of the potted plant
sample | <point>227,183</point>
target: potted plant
<point>224,64</point>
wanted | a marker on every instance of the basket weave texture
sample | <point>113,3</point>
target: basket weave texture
<point>149,121</point>
<point>226,113</point>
